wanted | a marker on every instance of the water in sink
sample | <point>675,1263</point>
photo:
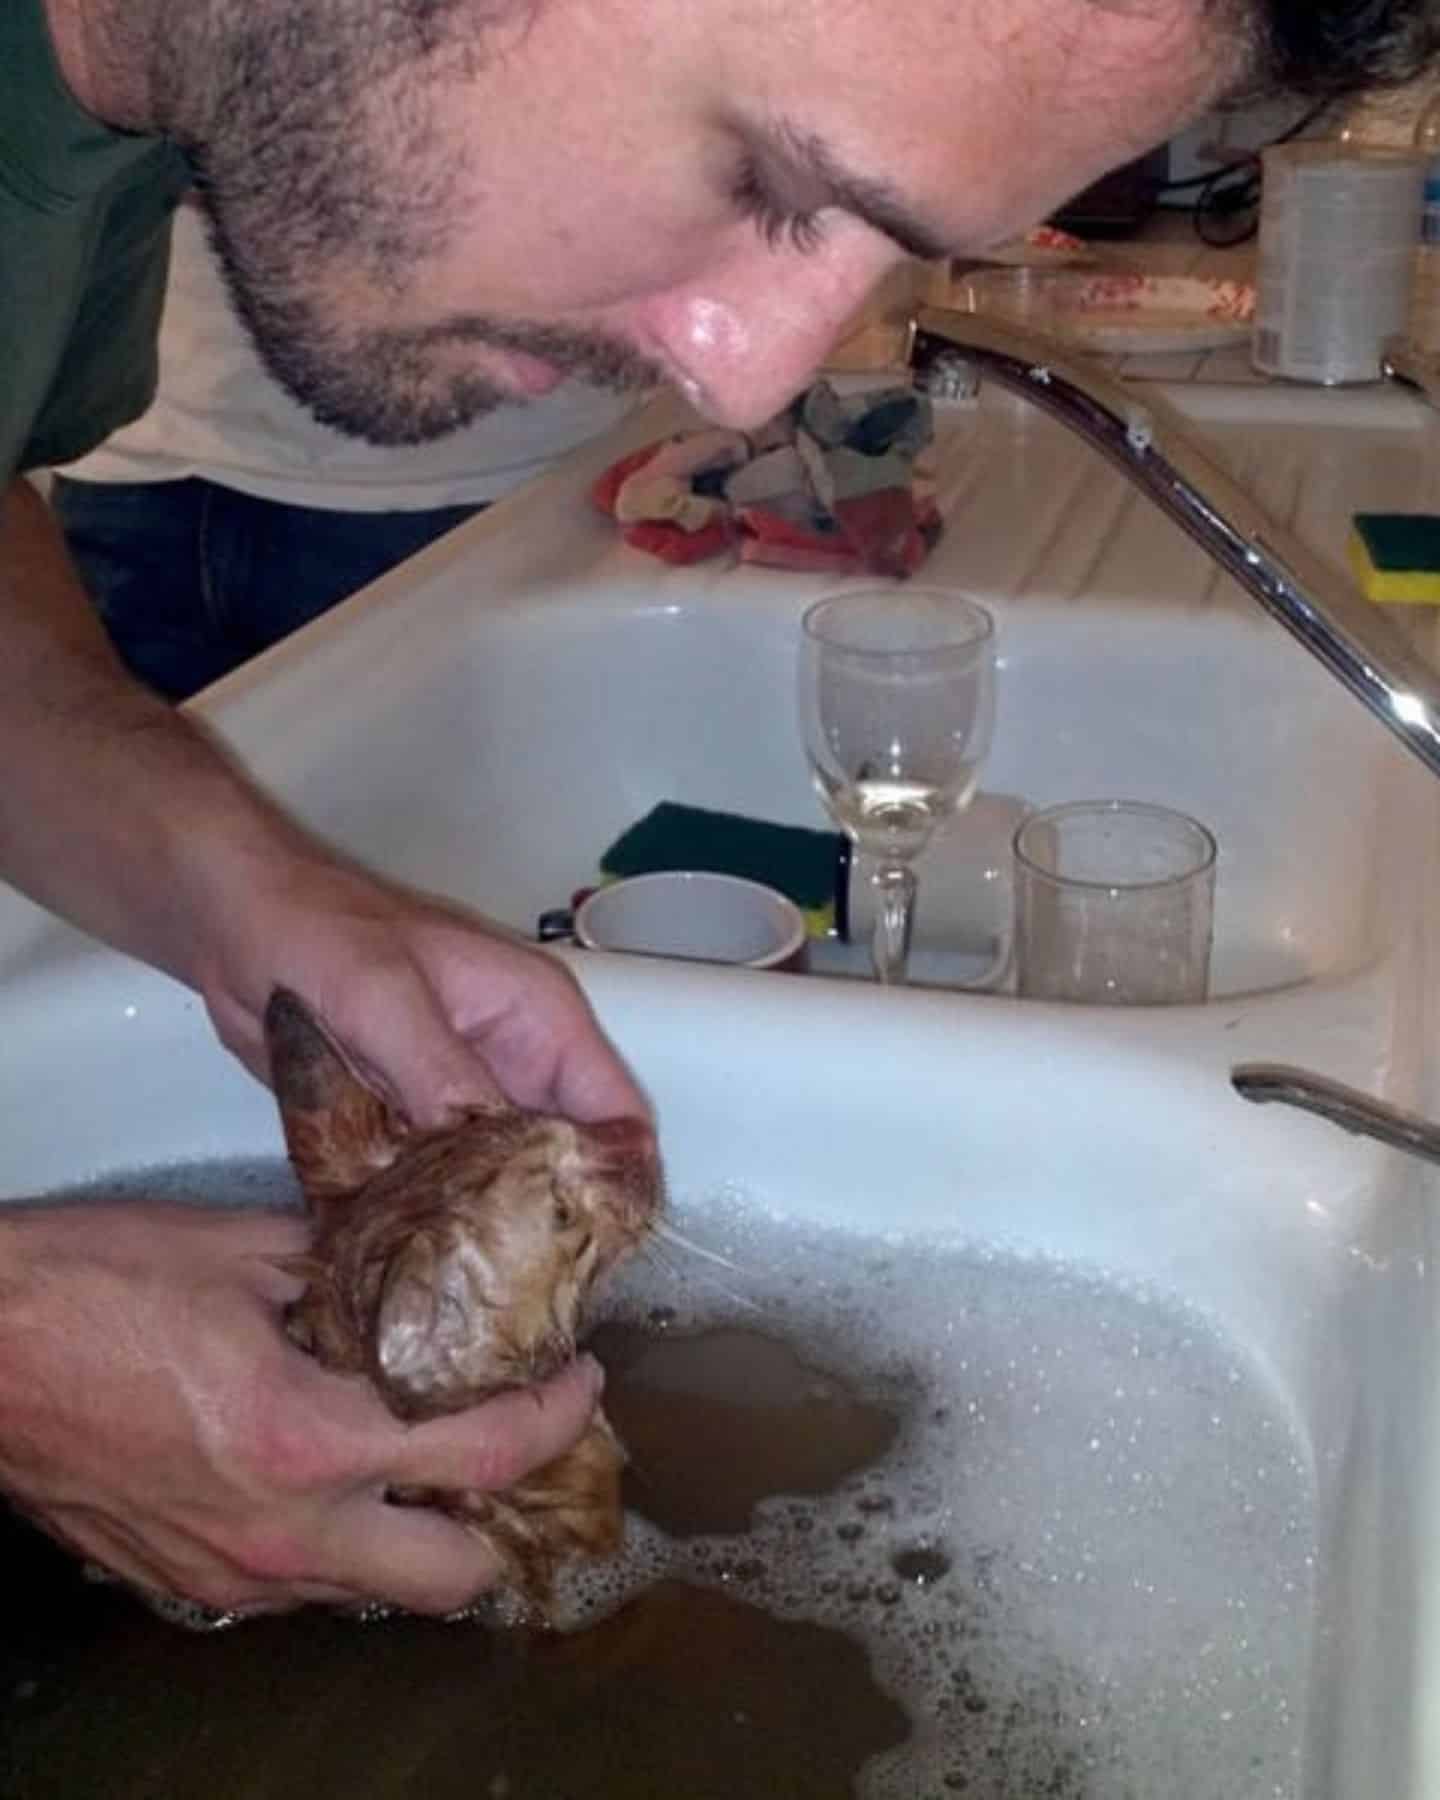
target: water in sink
<point>1014,1530</point>
<point>1085,1564</point>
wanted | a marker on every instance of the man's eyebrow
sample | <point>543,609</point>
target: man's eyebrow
<point>809,162</point>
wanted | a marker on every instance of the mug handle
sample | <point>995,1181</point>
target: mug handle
<point>557,926</point>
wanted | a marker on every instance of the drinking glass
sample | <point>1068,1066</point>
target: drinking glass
<point>897,705</point>
<point>1113,905</point>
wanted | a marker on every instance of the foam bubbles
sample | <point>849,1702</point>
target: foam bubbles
<point>227,1181</point>
<point>1086,1567</point>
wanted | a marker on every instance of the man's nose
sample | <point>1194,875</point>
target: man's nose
<point>744,340</point>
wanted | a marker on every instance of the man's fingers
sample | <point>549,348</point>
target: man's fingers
<point>426,1066</point>
<point>420,1559</point>
<point>493,1445</point>
<point>407,1556</point>
<point>598,1086</point>
<point>548,1045</point>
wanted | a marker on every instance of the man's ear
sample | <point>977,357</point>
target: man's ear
<point>339,1131</point>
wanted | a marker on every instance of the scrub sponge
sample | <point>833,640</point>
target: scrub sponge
<point>1396,556</point>
<point>809,867</point>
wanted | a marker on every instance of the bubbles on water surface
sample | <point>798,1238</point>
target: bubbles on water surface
<point>230,1181</point>
<point>1086,1565</point>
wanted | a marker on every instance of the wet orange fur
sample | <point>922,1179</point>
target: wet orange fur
<point>448,1265</point>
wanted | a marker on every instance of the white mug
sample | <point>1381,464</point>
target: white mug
<point>694,915</point>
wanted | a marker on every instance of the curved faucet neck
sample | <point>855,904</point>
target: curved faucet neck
<point>1142,437</point>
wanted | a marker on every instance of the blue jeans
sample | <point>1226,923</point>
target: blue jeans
<point>193,579</point>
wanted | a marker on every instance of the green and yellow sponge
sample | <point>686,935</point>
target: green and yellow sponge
<point>1396,556</point>
<point>811,867</point>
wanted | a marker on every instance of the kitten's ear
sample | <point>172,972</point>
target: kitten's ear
<point>436,1346</point>
<point>339,1131</point>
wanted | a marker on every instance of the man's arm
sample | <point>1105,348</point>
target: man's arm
<point>121,814</point>
<point>152,1413</point>
<point>105,785</point>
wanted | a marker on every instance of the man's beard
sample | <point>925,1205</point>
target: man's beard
<point>319,167</point>
<point>400,386</point>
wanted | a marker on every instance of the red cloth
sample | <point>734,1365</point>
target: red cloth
<point>674,545</point>
<point>604,488</point>
<point>882,533</point>
<point>780,543</point>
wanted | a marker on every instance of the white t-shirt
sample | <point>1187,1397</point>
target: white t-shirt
<point>218,414</point>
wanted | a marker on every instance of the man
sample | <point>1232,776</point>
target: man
<point>426,208</point>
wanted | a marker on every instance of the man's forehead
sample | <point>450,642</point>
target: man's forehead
<point>977,112</point>
<point>1026,52</point>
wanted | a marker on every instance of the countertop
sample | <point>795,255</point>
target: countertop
<point>1168,245</point>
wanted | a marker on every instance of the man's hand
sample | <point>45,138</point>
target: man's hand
<point>154,1417</point>
<point>438,1009</point>
<point>124,815</point>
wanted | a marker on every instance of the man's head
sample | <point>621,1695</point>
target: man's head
<point>428,207</point>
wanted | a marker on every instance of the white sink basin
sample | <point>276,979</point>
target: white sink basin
<point>485,721</point>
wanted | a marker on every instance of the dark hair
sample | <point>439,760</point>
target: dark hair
<point>1333,47</point>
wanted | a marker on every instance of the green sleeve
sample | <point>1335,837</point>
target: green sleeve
<point>81,289</point>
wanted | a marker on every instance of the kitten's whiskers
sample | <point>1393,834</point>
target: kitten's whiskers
<point>702,1275</point>
<point>663,1228</point>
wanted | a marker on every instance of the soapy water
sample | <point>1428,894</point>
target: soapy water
<point>1084,1566</point>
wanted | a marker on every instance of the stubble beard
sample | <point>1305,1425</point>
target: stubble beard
<point>320,172</point>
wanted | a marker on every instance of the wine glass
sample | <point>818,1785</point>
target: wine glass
<point>896,708</point>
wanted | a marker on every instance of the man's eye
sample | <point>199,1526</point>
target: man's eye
<point>775,221</point>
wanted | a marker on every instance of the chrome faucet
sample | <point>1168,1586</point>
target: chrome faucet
<point>1142,436</point>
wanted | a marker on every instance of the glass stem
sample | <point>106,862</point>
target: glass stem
<point>894,885</point>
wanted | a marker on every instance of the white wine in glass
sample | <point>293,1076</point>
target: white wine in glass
<point>897,705</point>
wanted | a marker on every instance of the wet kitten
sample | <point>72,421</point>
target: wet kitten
<point>450,1264</point>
